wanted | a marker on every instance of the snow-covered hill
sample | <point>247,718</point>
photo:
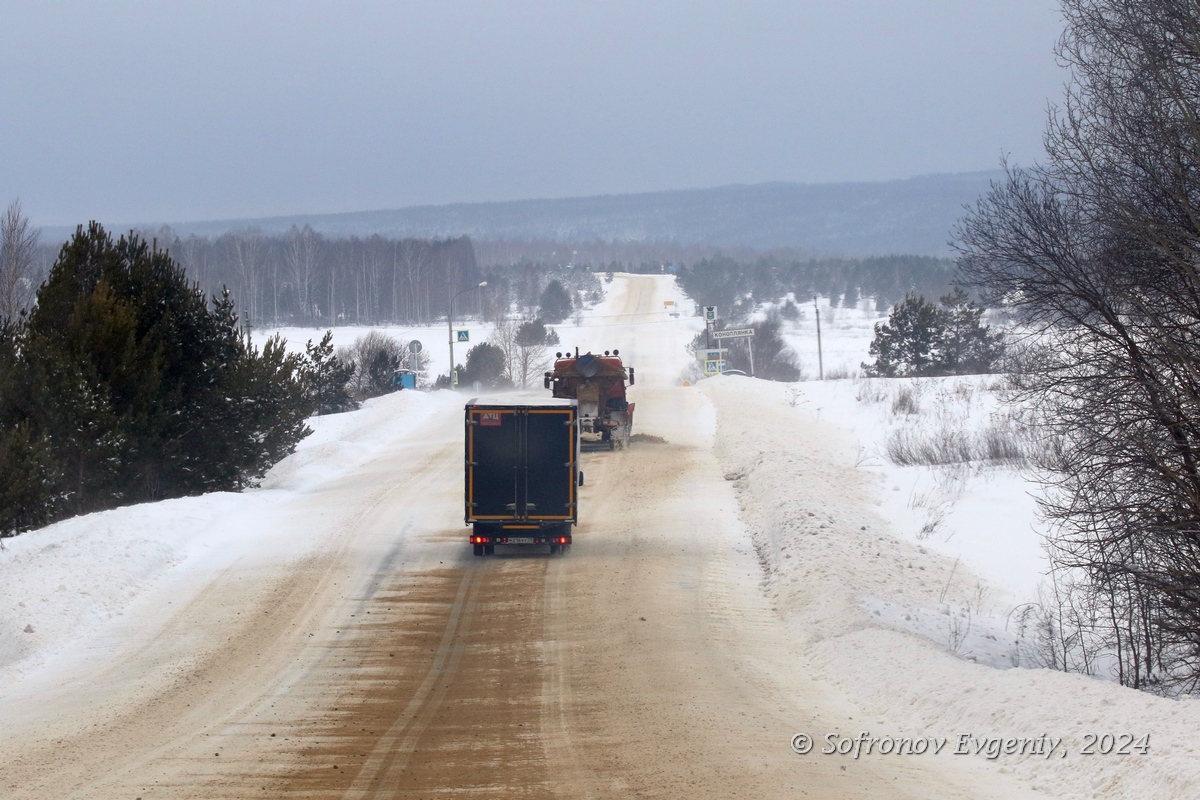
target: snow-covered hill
<point>915,215</point>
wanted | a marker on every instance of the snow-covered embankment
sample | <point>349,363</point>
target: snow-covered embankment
<point>833,566</point>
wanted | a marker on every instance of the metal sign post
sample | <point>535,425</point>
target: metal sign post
<point>414,348</point>
<point>820,359</point>
<point>450,329</point>
<point>710,319</point>
<point>740,333</point>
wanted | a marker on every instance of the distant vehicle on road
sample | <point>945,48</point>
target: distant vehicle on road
<point>597,383</point>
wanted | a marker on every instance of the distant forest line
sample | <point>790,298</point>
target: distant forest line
<point>304,278</point>
<point>873,218</point>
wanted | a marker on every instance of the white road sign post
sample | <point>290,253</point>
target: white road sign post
<point>735,333</point>
<point>739,333</point>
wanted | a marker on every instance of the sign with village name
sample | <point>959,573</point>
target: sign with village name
<point>735,333</point>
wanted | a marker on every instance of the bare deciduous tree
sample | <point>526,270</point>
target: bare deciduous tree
<point>303,251</point>
<point>1099,252</point>
<point>18,243</point>
<point>246,252</point>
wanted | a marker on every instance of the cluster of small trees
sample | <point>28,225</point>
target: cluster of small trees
<point>517,353</point>
<point>1098,251</point>
<point>921,339</point>
<point>125,385</point>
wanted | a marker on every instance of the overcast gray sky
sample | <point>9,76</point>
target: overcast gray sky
<point>172,111</point>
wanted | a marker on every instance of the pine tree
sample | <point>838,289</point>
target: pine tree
<point>27,494</point>
<point>970,346</point>
<point>555,303</point>
<point>379,373</point>
<point>328,377</point>
<point>531,333</point>
<point>909,343</point>
<point>31,473</point>
<point>920,339</point>
<point>485,363</point>
<point>266,412</point>
<point>124,386</point>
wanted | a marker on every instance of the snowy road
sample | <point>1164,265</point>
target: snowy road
<point>386,661</point>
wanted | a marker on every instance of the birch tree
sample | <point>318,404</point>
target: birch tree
<point>18,245</point>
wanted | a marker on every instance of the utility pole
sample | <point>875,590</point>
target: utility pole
<point>450,328</point>
<point>820,360</point>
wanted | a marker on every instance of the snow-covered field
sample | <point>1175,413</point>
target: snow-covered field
<point>903,583</point>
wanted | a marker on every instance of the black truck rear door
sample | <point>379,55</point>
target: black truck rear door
<point>494,457</point>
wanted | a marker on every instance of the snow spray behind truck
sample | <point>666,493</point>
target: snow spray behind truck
<point>522,474</point>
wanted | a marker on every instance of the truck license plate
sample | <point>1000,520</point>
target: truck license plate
<point>520,540</point>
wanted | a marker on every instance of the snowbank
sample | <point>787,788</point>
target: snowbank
<point>62,582</point>
<point>844,578</point>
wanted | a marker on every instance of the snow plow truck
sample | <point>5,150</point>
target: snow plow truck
<point>597,384</point>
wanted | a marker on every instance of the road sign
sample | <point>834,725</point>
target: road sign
<point>736,333</point>
<point>463,336</point>
<point>710,313</point>
<point>715,354</point>
<point>414,346</point>
<point>713,367</point>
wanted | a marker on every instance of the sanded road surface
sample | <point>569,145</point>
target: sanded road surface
<point>391,663</point>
